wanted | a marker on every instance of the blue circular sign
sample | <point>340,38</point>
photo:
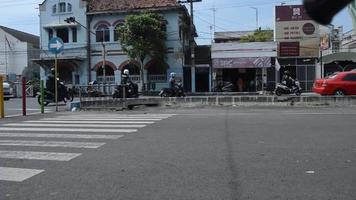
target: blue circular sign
<point>55,45</point>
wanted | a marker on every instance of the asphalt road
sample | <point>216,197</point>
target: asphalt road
<point>199,153</point>
<point>13,107</point>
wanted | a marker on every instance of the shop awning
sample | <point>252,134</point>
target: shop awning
<point>49,61</point>
<point>340,56</point>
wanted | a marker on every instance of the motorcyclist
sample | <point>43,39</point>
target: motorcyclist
<point>125,77</point>
<point>50,83</point>
<point>288,80</point>
<point>172,82</point>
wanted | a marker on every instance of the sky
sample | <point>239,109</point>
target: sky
<point>230,15</point>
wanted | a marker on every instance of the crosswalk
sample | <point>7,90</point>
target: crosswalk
<point>64,132</point>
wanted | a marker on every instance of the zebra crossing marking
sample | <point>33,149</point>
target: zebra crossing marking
<point>85,145</point>
<point>91,130</point>
<point>67,136</point>
<point>90,122</point>
<point>75,125</point>
<point>32,155</point>
<point>17,174</point>
<point>101,119</point>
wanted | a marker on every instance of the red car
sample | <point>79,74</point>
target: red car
<point>340,84</point>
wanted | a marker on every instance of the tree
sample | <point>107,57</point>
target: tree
<point>144,36</point>
<point>259,36</point>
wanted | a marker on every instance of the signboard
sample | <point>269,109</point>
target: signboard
<point>294,25</point>
<point>55,45</point>
<point>260,62</point>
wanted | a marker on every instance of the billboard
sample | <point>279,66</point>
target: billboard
<point>296,33</point>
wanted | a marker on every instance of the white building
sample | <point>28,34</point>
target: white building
<point>17,51</point>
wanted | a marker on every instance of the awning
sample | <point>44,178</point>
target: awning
<point>49,61</point>
<point>340,56</point>
<point>254,62</point>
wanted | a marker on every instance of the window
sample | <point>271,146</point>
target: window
<point>74,34</point>
<point>350,77</point>
<point>62,7</point>
<point>50,34</point>
<point>116,32</point>
<point>54,9</point>
<point>102,33</point>
<point>63,34</point>
<point>69,9</point>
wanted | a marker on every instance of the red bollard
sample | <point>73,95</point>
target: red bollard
<point>24,96</point>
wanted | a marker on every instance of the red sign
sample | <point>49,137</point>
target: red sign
<point>289,49</point>
<point>291,13</point>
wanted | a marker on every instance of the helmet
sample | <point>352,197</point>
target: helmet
<point>126,71</point>
<point>172,75</point>
<point>287,73</point>
<point>53,70</point>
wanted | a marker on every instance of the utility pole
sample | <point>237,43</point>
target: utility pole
<point>192,40</point>
<point>256,9</point>
<point>72,20</point>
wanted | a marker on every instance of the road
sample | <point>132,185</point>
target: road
<point>13,107</point>
<point>222,153</point>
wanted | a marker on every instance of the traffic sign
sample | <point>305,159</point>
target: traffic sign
<point>55,45</point>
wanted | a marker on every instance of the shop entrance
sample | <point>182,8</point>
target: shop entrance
<point>244,79</point>
<point>202,79</point>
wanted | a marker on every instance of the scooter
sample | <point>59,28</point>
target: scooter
<point>178,91</point>
<point>49,96</point>
<point>224,87</point>
<point>282,88</point>
<point>129,90</point>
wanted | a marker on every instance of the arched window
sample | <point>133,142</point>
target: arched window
<point>62,7</point>
<point>157,71</point>
<point>54,8</point>
<point>69,8</point>
<point>116,32</point>
<point>102,33</point>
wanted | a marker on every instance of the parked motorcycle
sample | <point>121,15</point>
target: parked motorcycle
<point>178,91</point>
<point>282,88</point>
<point>131,91</point>
<point>49,97</point>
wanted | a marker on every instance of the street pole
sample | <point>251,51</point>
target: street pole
<point>192,45</point>
<point>56,81</point>
<point>256,9</point>
<point>2,108</point>
<point>321,64</point>
<point>104,63</point>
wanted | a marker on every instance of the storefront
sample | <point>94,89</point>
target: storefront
<point>245,65</point>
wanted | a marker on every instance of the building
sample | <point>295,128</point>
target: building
<point>244,64</point>
<point>73,62</point>
<point>298,39</point>
<point>18,49</point>
<point>339,53</point>
<point>92,42</point>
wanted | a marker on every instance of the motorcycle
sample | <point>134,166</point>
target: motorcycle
<point>131,91</point>
<point>282,88</point>
<point>49,97</point>
<point>178,91</point>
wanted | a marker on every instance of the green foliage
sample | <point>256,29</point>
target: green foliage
<point>143,35</point>
<point>259,36</point>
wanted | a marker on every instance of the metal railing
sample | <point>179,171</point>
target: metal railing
<point>160,78</point>
<point>108,79</point>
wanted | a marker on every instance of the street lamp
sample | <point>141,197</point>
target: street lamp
<point>70,20</point>
<point>256,9</point>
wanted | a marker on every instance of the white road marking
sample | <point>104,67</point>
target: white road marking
<point>71,136</point>
<point>74,125</point>
<point>29,109</point>
<point>98,119</point>
<point>91,122</point>
<point>87,145</point>
<point>112,118</point>
<point>28,114</point>
<point>31,155</point>
<point>17,174</point>
<point>91,130</point>
<point>120,115</point>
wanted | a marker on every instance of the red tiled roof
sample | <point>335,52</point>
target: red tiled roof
<point>122,5</point>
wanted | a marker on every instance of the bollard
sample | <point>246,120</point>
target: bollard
<point>2,111</point>
<point>42,96</point>
<point>24,96</point>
